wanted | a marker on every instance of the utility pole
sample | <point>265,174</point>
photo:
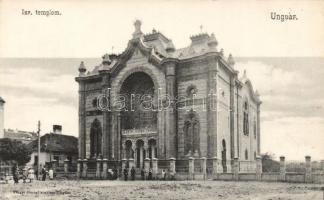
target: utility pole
<point>38,149</point>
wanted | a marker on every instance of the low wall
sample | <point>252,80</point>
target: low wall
<point>318,178</point>
<point>68,175</point>
<point>270,176</point>
<point>224,176</point>
<point>293,177</point>
<point>203,169</point>
<point>247,176</point>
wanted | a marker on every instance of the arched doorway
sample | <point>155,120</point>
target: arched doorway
<point>152,150</point>
<point>140,153</point>
<point>95,138</point>
<point>224,156</point>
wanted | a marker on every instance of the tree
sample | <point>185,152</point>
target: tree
<point>269,164</point>
<point>13,150</point>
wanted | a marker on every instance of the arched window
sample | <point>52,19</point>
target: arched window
<point>95,138</point>
<point>191,134</point>
<point>129,150</point>
<point>246,118</point>
<point>246,154</point>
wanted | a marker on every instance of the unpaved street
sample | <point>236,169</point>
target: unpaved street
<point>161,190</point>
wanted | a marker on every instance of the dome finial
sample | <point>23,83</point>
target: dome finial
<point>212,43</point>
<point>244,74</point>
<point>137,33</point>
<point>230,60</point>
<point>106,59</point>
<point>82,68</point>
<point>221,52</point>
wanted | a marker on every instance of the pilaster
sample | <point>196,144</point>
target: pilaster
<point>82,121</point>
<point>236,169</point>
<point>308,170</point>
<point>191,168</point>
<point>258,129</point>
<point>212,101</point>
<point>282,169</point>
<point>171,116</point>
<point>106,126</point>
<point>232,95</point>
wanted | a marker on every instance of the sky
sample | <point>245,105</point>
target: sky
<point>39,57</point>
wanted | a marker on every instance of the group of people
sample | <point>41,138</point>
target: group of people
<point>145,175</point>
<point>29,174</point>
<point>50,174</point>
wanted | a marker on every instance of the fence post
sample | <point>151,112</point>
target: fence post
<point>204,167</point>
<point>85,168</point>
<point>215,168</point>
<point>54,165</point>
<point>104,168</point>
<point>131,163</point>
<point>123,164</point>
<point>191,168</point>
<point>308,165</point>
<point>146,167</point>
<point>79,168</point>
<point>172,168</point>
<point>258,168</point>
<point>236,169</point>
<point>155,167</point>
<point>98,168</point>
<point>66,166</point>
<point>282,169</point>
<point>124,161</point>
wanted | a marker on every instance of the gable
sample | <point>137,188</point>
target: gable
<point>247,85</point>
<point>136,51</point>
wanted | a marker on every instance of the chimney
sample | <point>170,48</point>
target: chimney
<point>57,129</point>
<point>2,102</point>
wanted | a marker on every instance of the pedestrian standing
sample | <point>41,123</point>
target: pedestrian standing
<point>125,174</point>
<point>15,172</point>
<point>133,173</point>
<point>115,175</point>
<point>143,174</point>
<point>51,174</point>
<point>43,174</point>
<point>31,174</point>
<point>25,175</point>
<point>163,174</point>
<point>150,174</point>
<point>36,173</point>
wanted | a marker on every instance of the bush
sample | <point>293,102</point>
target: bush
<point>269,164</point>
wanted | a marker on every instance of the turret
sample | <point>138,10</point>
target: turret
<point>170,47</point>
<point>212,43</point>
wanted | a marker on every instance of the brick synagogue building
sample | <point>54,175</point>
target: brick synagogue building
<point>154,101</point>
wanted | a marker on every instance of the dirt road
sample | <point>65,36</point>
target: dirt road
<point>85,190</point>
